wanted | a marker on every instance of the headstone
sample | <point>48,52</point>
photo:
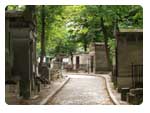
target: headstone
<point>55,71</point>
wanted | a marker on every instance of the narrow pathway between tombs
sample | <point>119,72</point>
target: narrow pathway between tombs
<point>82,90</point>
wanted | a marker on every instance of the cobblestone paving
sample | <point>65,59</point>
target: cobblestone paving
<point>82,90</point>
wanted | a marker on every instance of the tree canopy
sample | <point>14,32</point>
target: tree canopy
<point>70,29</point>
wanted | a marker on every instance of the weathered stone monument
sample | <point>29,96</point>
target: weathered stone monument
<point>129,52</point>
<point>56,68</point>
<point>98,60</point>
<point>128,71</point>
<point>20,51</point>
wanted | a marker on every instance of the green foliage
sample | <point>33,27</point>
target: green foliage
<point>112,46</point>
<point>73,28</point>
<point>70,29</point>
<point>15,7</point>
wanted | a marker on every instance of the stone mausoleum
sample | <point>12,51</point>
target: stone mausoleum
<point>129,58</point>
<point>20,52</point>
<point>97,58</point>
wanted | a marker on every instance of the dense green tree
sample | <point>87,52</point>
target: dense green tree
<point>69,29</point>
<point>104,20</point>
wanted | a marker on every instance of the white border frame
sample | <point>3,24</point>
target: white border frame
<point>4,108</point>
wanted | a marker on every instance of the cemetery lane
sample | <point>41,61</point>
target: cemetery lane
<point>83,90</point>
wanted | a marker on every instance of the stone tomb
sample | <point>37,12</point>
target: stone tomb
<point>97,56</point>
<point>129,51</point>
<point>21,52</point>
<point>56,68</point>
<point>80,62</point>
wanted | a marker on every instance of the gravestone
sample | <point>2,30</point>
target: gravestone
<point>56,69</point>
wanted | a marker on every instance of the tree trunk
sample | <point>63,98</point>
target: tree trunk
<point>105,41</point>
<point>71,61</point>
<point>42,35</point>
<point>85,43</point>
<point>85,47</point>
<point>116,27</point>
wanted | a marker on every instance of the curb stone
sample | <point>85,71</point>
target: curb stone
<point>113,98</point>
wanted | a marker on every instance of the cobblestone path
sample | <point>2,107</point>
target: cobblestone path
<point>82,90</point>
